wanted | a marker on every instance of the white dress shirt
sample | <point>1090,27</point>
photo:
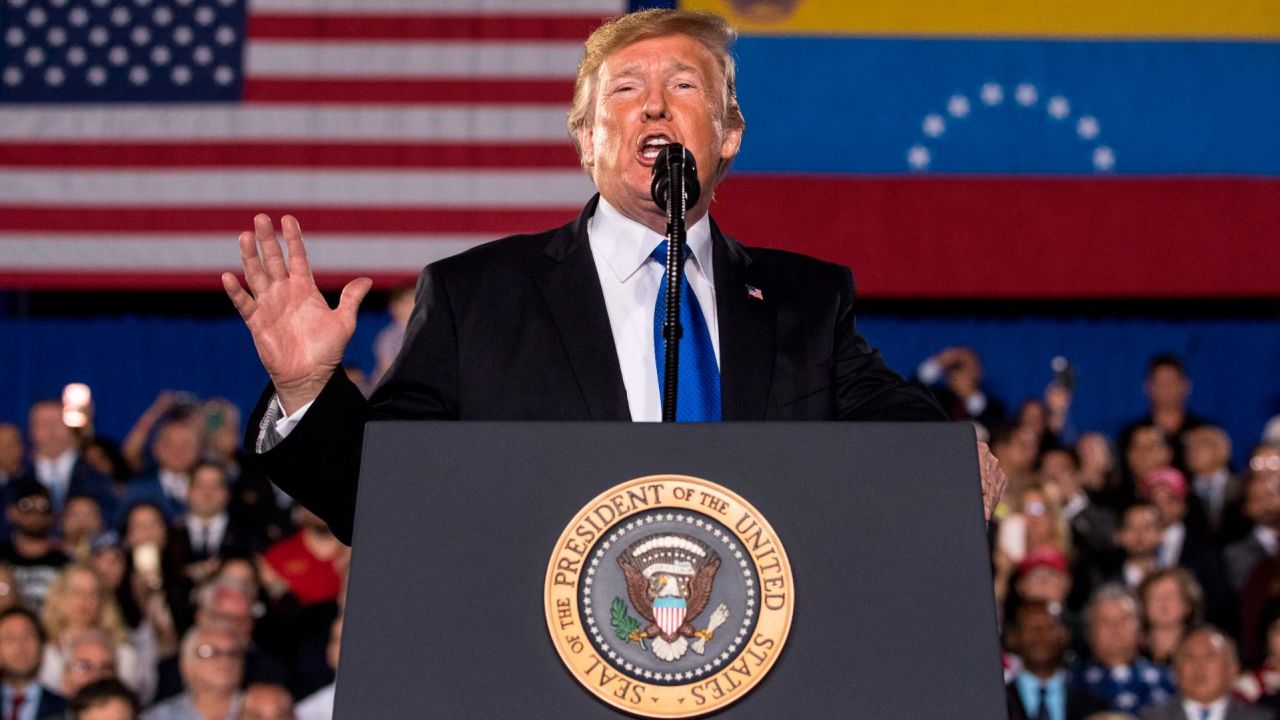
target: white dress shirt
<point>630,281</point>
<point>206,541</point>
<point>1196,711</point>
<point>1171,545</point>
<point>55,473</point>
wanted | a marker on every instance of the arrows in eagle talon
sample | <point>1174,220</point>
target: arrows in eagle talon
<point>717,619</point>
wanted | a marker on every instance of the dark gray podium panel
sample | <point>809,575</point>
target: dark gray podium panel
<point>456,522</point>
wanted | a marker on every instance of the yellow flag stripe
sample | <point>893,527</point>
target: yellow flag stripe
<point>1135,19</point>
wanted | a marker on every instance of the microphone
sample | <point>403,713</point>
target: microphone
<point>674,158</point>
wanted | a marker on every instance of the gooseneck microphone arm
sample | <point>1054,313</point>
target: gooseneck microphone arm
<point>674,189</point>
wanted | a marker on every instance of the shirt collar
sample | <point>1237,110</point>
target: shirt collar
<point>1217,708</point>
<point>626,245</point>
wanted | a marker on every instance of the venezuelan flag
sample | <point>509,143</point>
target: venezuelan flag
<point>1003,148</point>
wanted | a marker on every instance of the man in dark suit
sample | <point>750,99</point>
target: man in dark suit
<point>1042,689</point>
<point>21,649</point>
<point>1205,667</point>
<point>56,461</point>
<point>558,325</point>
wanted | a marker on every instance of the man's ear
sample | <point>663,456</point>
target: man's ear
<point>585,145</point>
<point>732,141</point>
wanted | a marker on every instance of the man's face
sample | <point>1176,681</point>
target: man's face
<point>10,447</point>
<point>1041,639</point>
<point>177,447</point>
<point>1172,505</point>
<point>667,87</point>
<point>1113,632</point>
<point>208,494</point>
<point>50,437</point>
<point>1168,387</point>
<point>1148,451</point>
<point>232,611</point>
<point>19,648</point>
<point>216,664</point>
<point>1204,667</point>
<point>86,663</point>
<point>1262,501</point>
<point>267,702</point>
<point>1140,532</point>
<point>32,515</point>
<point>81,518</point>
<point>1208,450</point>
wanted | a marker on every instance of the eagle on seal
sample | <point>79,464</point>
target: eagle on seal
<point>669,580</point>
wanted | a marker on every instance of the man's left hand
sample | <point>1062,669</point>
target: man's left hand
<point>993,479</point>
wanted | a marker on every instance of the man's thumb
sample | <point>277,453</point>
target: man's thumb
<point>352,295</point>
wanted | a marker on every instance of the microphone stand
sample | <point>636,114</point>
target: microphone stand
<point>671,329</point>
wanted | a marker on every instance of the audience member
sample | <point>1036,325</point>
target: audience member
<point>228,605</point>
<point>106,699</point>
<point>206,533</point>
<point>1167,388</point>
<point>1116,673</point>
<point>79,602</point>
<point>31,550</point>
<point>1100,475</point>
<point>12,452</point>
<point>212,667</point>
<point>955,376</point>
<point>176,450</point>
<point>1139,540</point>
<point>1263,679</point>
<point>1149,449</point>
<point>90,656</point>
<point>10,592</point>
<point>1221,494</point>
<point>266,701</point>
<point>20,641</point>
<point>1172,605</point>
<point>319,704</point>
<point>389,339</point>
<point>82,525</point>
<point>1204,668</point>
<point>1092,526</point>
<point>1262,508</point>
<point>1042,689</point>
<point>56,462</point>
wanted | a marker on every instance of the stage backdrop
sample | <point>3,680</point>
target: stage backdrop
<point>947,148</point>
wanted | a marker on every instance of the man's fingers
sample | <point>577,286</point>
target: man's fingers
<point>269,246</point>
<point>254,274</point>
<point>352,295</point>
<point>298,264</point>
<point>242,300</point>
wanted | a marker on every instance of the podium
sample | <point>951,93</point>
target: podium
<point>893,614</point>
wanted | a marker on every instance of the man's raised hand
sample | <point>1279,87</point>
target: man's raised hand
<point>300,340</point>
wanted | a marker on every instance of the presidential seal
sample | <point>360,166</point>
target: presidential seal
<point>669,596</point>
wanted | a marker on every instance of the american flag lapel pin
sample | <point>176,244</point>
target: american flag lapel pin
<point>754,292</point>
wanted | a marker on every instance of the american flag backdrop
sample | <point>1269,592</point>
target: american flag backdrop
<point>138,137</point>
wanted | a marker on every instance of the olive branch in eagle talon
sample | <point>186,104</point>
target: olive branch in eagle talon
<point>669,580</point>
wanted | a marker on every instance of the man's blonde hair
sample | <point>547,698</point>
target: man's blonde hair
<point>710,30</point>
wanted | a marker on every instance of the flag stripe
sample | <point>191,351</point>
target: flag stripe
<point>275,122</point>
<point>286,154</point>
<point>35,251</point>
<point>435,60</point>
<point>350,188</point>
<point>408,27</point>
<point>493,221</point>
<point>564,8</point>
<point>497,91</point>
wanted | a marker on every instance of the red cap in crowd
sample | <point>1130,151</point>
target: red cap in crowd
<point>1045,556</point>
<point>1166,477</point>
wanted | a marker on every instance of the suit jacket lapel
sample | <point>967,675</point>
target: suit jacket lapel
<point>571,287</point>
<point>746,331</point>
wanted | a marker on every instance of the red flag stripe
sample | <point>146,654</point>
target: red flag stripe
<point>289,154</point>
<point>161,222</point>
<point>421,27</point>
<point>399,91</point>
<point>94,279</point>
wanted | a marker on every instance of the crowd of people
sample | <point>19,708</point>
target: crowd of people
<point>164,577</point>
<point>1135,576</point>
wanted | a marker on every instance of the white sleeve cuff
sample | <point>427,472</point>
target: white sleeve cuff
<point>930,371</point>
<point>275,425</point>
<point>976,404</point>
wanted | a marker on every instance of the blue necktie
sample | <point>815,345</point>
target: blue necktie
<point>699,382</point>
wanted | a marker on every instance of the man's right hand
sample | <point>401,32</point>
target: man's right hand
<point>300,340</point>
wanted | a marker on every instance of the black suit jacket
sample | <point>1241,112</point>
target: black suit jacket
<point>517,329</point>
<point>1080,704</point>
